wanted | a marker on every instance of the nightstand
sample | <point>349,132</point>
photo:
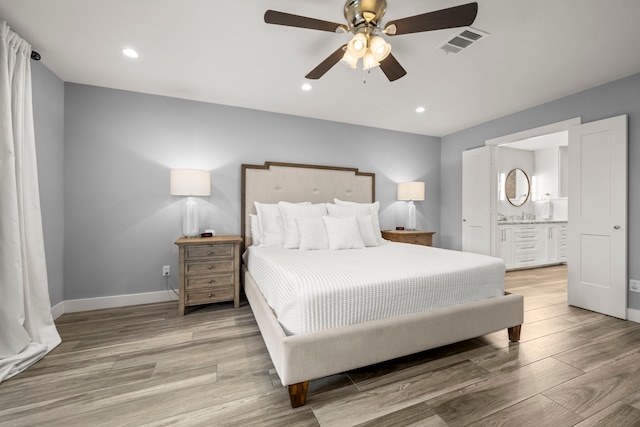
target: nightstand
<point>209,270</point>
<point>416,237</point>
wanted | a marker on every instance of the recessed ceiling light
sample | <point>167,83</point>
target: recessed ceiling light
<point>306,87</point>
<point>130,52</point>
<point>420,110</point>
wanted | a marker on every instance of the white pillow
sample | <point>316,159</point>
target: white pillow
<point>255,230</point>
<point>343,233</point>
<point>342,209</point>
<point>291,211</point>
<point>270,224</point>
<point>367,230</point>
<point>313,235</point>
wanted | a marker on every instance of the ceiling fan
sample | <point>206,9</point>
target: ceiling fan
<point>363,20</point>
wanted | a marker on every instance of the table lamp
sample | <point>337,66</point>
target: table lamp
<point>190,182</point>
<point>410,191</point>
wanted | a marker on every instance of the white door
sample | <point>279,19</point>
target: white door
<point>597,252</point>
<point>476,200</point>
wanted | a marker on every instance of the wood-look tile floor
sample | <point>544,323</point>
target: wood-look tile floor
<point>147,366</point>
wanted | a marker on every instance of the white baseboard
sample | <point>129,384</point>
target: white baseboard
<point>57,310</point>
<point>74,305</point>
<point>633,315</point>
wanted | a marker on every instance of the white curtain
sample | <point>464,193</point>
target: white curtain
<point>27,331</point>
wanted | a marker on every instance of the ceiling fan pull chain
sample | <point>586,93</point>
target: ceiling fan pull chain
<point>364,79</point>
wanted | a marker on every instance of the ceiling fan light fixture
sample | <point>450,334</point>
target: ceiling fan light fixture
<point>369,61</point>
<point>379,48</point>
<point>349,60</point>
<point>357,47</point>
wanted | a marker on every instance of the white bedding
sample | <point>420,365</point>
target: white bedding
<point>314,290</point>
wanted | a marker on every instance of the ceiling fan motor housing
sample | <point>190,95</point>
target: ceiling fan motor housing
<point>364,12</point>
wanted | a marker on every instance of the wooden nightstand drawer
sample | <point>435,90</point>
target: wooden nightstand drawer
<point>206,251</point>
<point>415,237</point>
<point>194,283</point>
<point>417,240</point>
<point>209,271</point>
<point>222,293</point>
<point>207,267</point>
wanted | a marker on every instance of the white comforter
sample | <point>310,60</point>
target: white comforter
<point>313,290</point>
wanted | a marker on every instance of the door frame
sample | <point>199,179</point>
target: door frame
<point>562,126</point>
<point>540,131</point>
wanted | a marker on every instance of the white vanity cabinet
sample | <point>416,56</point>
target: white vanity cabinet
<point>504,244</point>
<point>525,245</point>
<point>531,244</point>
<point>517,244</point>
<point>562,242</point>
<point>548,248</point>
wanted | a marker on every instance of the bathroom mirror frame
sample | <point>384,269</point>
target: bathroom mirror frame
<point>510,186</point>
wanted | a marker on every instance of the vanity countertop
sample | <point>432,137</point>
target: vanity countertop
<point>532,221</point>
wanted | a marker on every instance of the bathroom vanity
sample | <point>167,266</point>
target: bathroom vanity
<point>531,243</point>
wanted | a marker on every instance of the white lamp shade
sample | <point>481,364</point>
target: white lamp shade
<point>379,48</point>
<point>369,61</point>
<point>411,190</point>
<point>349,60</point>
<point>357,47</point>
<point>190,182</point>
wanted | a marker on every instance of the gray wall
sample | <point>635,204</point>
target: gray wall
<point>48,112</point>
<point>613,99</point>
<point>120,221</point>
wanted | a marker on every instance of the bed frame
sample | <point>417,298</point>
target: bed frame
<point>304,357</point>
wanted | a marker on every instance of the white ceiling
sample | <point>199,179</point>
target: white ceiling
<point>221,51</point>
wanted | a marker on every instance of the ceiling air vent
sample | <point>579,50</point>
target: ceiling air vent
<point>463,40</point>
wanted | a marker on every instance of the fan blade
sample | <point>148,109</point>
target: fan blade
<point>282,18</point>
<point>458,16</point>
<point>392,68</point>
<point>327,64</point>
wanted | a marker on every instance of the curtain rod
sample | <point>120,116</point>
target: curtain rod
<point>35,55</point>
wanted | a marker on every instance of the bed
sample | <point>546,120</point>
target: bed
<point>303,350</point>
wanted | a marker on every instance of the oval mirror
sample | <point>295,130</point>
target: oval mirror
<point>516,187</point>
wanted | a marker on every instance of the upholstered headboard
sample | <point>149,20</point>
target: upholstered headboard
<point>274,182</point>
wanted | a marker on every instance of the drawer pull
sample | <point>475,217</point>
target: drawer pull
<point>210,267</point>
<point>210,280</point>
<point>209,253</point>
<point>210,295</point>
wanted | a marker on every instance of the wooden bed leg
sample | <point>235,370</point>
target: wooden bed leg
<point>514,333</point>
<point>298,394</point>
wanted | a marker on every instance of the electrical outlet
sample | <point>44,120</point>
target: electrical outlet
<point>634,285</point>
<point>166,271</point>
